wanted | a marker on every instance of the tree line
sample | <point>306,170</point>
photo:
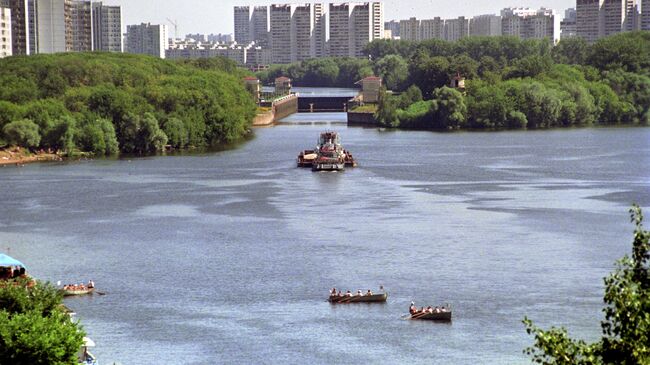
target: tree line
<point>511,83</point>
<point>107,103</point>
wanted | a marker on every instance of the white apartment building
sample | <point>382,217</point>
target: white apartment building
<point>5,32</point>
<point>527,23</point>
<point>54,26</point>
<point>645,15</point>
<point>456,29</point>
<point>107,27</point>
<point>485,25</point>
<point>302,26</point>
<point>146,38</point>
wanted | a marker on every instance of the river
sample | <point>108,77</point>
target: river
<point>228,257</point>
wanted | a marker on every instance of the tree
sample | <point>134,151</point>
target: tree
<point>176,132</point>
<point>23,133</point>
<point>572,50</point>
<point>449,109</point>
<point>626,328</point>
<point>320,72</point>
<point>141,134</point>
<point>393,69</point>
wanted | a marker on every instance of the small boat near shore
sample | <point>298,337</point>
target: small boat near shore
<point>77,292</point>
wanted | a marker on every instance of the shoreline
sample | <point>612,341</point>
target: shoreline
<point>19,158</point>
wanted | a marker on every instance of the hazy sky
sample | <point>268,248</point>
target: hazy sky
<point>216,16</point>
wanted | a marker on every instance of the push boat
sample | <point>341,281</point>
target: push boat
<point>374,298</point>
<point>329,155</point>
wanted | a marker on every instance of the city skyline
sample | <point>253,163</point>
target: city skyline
<point>200,16</point>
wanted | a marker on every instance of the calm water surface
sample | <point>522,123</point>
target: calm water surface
<point>227,257</point>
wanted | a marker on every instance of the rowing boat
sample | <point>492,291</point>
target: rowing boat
<point>435,316</point>
<point>374,298</point>
<point>70,293</point>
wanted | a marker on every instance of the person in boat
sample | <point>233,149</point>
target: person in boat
<point>369,293</point>
<point>437,310</point>
<point>413,309</point>
<point>359,293</point>
<point>348,294</point>
<point>339,294</point>
<point>429,309</point>
<point>91,284</point>
<point>333,292</point>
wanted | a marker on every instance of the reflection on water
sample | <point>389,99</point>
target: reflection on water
<point>228,256</point>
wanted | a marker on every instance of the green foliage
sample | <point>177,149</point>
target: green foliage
<point>626,328</point>
<point>321,72</point>
<point>71,96</point>
<point>33,328</point>
<point>141,134</point>
<point>572,50</point>
<point>449,109</point>
<point>22,132</point>
<point>393,69</point>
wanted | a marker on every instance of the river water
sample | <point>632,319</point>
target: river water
<point>227,257</point>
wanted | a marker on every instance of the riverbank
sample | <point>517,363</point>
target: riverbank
<point>19,156</point>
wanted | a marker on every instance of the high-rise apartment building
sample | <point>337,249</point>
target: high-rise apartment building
<point>527,23</point>
<point>243,25</point>
<point>618,16</point>
<point>456,29</point>
<point>645,15</point>
<point>432,29</point>
<point>23,32</point>
<point>107,27</point>
<point>280,34</point>
<point>600,18</point>
<point>302,25</point>
<point>149,39</point>
<point>409,29</point>
<point>485,25</point>
<point>259,27</point>
<point>54,26</point>
<point>353,26</point>
<point>568,26</point>
<point>81,25</point>
<point>252,25</point>
<point>588,19</point>
<point>394,27</point>
<point>319,39</point>
<point>5,32</point>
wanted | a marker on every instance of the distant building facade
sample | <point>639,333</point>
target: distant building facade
<point>252,25</point>
<point>146,38</point>
<point>5,32</point>
<point>352,26</point>
<point>409,29</point>
<point>645,15</point>
<point>107,28</point>
<point>485,25</point>
<point>394,27</point>
<point>54,26</point>
<point>527,23</point>
<point>568,26</point>
<point>601,18</point>
<point>23,32</point>
<point>81,25</point>
<point>456,29</point>
<point>432,29</point>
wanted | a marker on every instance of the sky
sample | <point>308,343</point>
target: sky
<point>216,16</point>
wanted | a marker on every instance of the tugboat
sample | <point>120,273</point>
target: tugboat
<point>329,155</point>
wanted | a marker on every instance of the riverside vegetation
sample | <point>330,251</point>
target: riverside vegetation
<point>34,328</point>
<point>107,103</point>
<point>626,328</point>
<point>511,83</point>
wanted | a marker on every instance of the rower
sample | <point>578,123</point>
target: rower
<point>348,294</point>
<point>91,284</point>
<point>333,292</point>
<point>413,309</point>
<point>369,293</point>
<point>359,293</point>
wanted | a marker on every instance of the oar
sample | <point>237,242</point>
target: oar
<point>419,315</point>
